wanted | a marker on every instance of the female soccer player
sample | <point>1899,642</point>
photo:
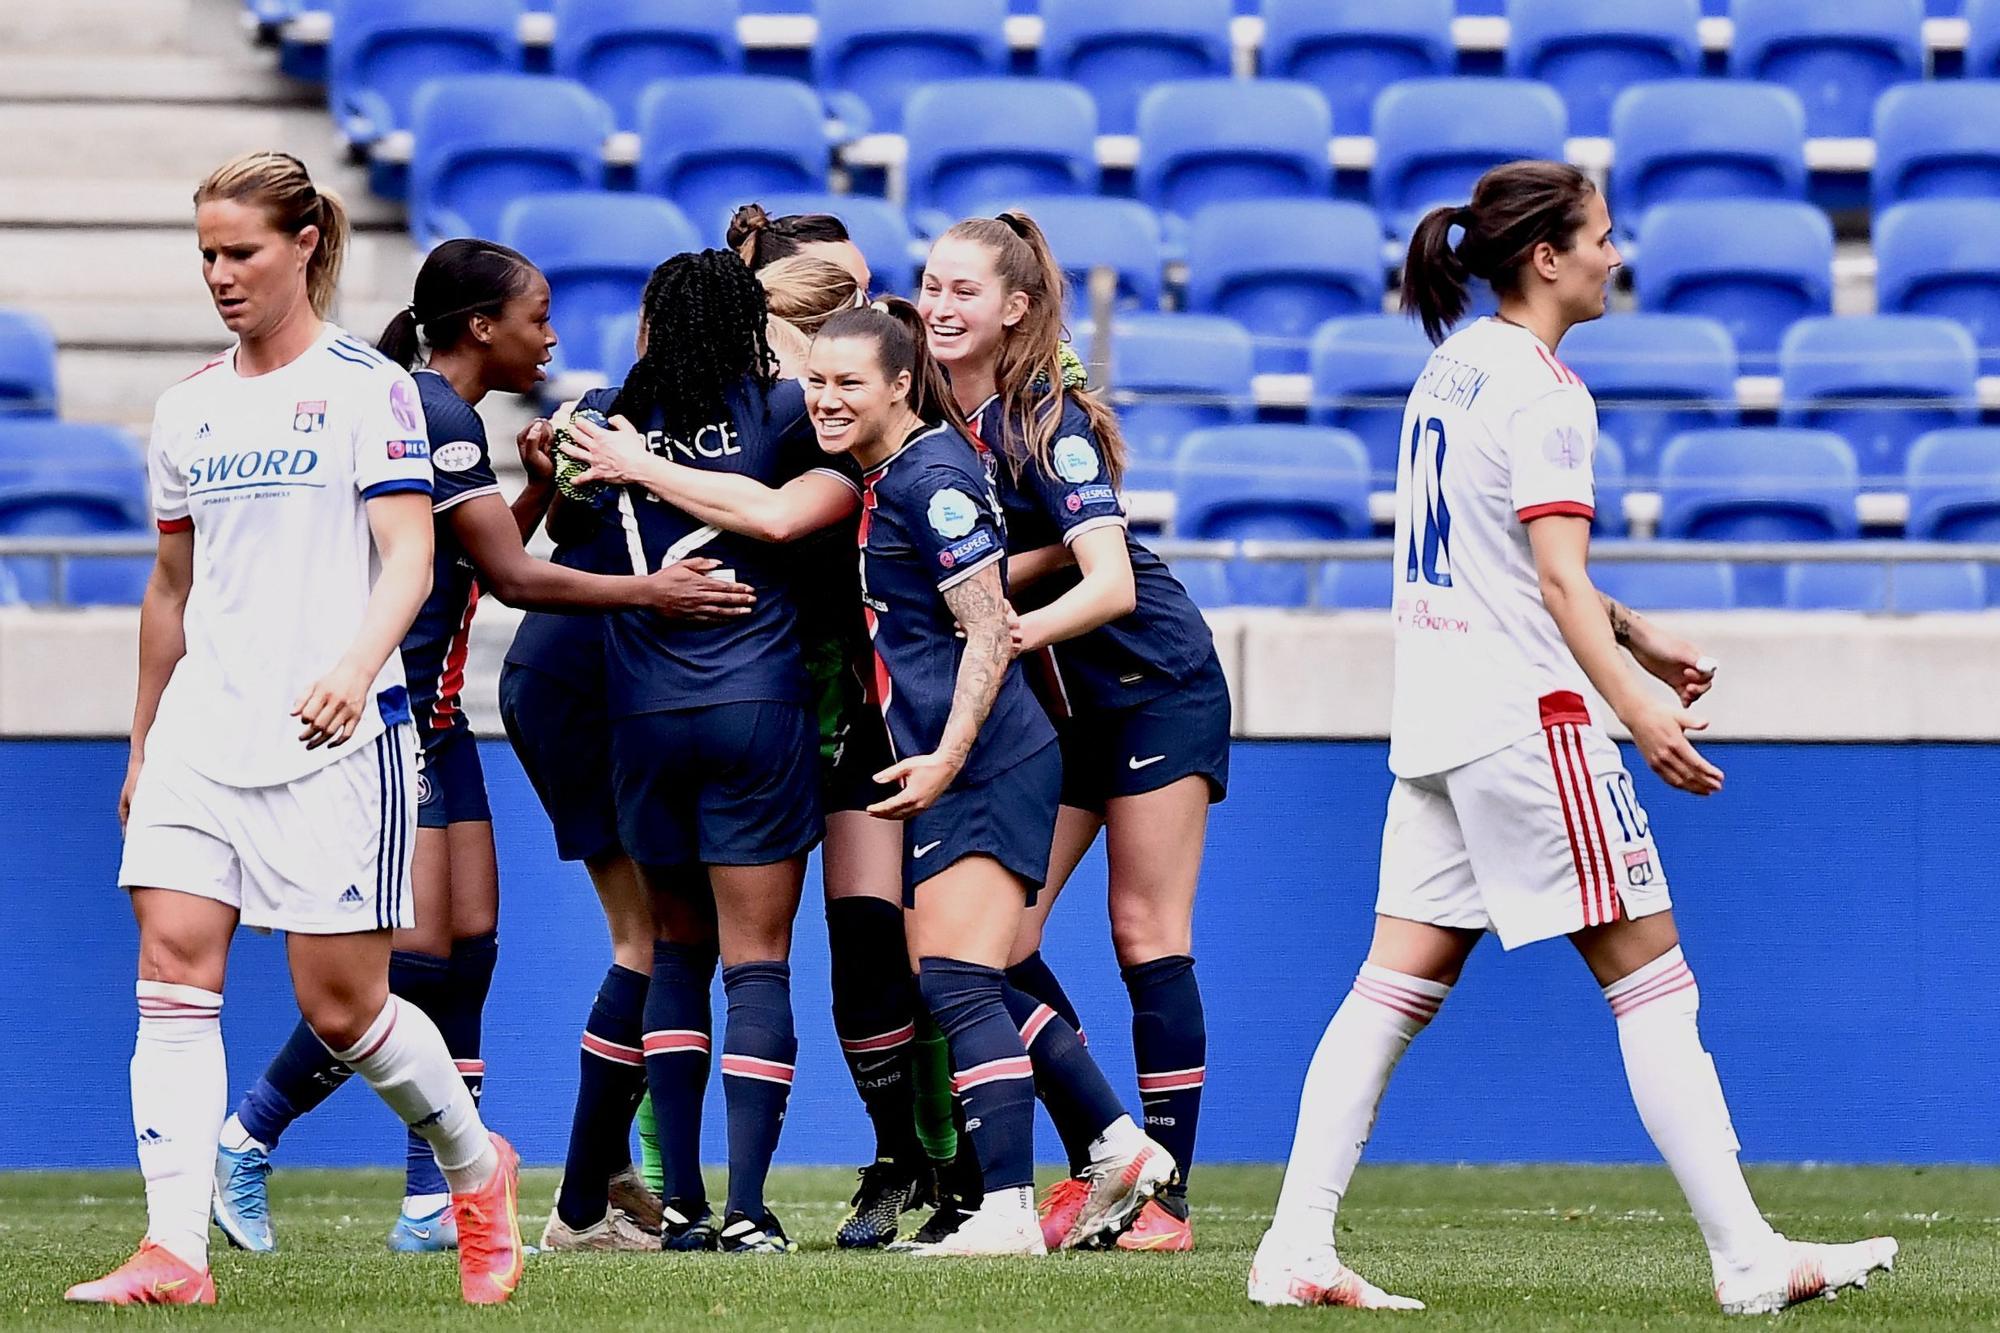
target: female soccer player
<point>273,765</point>
<point>478,323</point>
<point>761,240</point>
<point>1512,811</point>
<point>1128,670</point>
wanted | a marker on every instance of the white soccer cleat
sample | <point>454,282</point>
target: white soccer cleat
<point>1283,1274</point>
<point>613,1231</point>
<point>1004,1225</point>
<point>1126,1169</point>
<point>1799,1271</point>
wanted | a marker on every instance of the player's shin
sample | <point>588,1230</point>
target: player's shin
<point>1366,1037</point>
<point>992,1071</point>
<point>403,1057</point>
<point>677,1042</point>
<point>874,1015</point>
<point>1032,976</point>
<point>180,1094</point>
<point>611,1080</point>
<point>1170,1048</point>
<point>759,1053</point>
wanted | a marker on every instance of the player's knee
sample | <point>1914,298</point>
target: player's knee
<point>182,958</point>
<point>341,1015</point>
<point>1140,933</point>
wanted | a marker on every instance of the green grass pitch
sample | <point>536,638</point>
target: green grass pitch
<point>1567,1248</point>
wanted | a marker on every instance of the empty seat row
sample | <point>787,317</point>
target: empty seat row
<point>72,479</point>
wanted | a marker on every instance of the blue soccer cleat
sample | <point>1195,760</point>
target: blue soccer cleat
<point>421,1235</point>
<point>242,1202</point>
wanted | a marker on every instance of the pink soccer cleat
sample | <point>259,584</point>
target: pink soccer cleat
<point>153,1276</point>
<point>490,1252</point>
<point>1060,1208</point>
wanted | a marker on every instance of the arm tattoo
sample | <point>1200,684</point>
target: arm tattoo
<point>1621,620</point>
<point>981,609</point>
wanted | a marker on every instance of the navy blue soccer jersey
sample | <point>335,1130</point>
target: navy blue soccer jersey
<point>655,664</point>
<point>930,521</point>
<point>434,649</point>
<point>1142,655</point>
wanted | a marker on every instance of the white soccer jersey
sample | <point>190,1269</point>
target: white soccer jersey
<point>1497,432</point>
<point>273,473</point>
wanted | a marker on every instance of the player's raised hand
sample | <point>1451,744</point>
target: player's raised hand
<point>534,442</point>
<point>686,590</point>
<point>1660,733</point>
<point>608,456</point>
<point>923,778</point>
<point>331,707</point>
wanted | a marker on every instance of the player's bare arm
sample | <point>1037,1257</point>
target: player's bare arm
<point>1027,568</point>
<point>1561,544</point>
<point>1106,591</point>
<point>162,643</point>
<point>981,608</point>
<point>1666,656</point>
<point>330,708</point>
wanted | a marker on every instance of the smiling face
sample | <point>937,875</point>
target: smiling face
<point>518,340</point>
<point>966,305</point>
<point>256,274</point>
<point>852,400</point>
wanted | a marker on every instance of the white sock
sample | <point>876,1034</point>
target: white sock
<point>1366,1037</point>
<point>236,1138</point>
<point>180,1094</point>
<point>403,1057</point>
<point>1680,1101</point>
<point>417,1207</point>
<point>1121,1138</point>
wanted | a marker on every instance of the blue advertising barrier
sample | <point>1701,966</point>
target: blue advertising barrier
<point>1833,901</point>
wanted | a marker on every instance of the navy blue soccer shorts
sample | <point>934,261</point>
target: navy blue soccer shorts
<point>451,782</point>
<point>1010,817</point>
<point>1150,745</point>
<point>732,784</point>
<point>562,737</point>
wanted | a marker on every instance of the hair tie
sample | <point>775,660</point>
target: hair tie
<point>882,306</point>
<point>1464,217</point>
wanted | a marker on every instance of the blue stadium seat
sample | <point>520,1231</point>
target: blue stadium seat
<point>1172,375</point>
<point>712,143</point>
<point>27,365</point>
<point>1362,370</point>
<point>1120,48</point>
<point>1942,257</point>
<point>1206,581</point>
<point>597,250</point>
<point>1937,141</point>
<point>618,348</point>
<point>1880,381</point>
<point>1950,585</point>
<point>876,226</point>
<point>1953,482</point>
<point>1435,137</point>
<point>1216,139</point>
<point>977,139</point>
<point>1086,233</point>
<point>1777,484</point>
<point>1588,50</point>
<point>1352,49</point>
<point>1282,271</point>
<point>384,51</point>
<point>1356,585</point>
<point>485,140</point>
<point>1836,57</point>
<point>617,47</point>
<point>1705,139</point>
<point>73,479</point>
<point>1654,376</point>
<point>1607,472</point>
<point>875,53</point>
<point>1281,483</point>
<point>1667,585</point>
<point>1982,46</point>
<point>1755,266</point>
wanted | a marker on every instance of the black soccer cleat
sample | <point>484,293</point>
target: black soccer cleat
<point>743,1235</point>
<point>687,1225</point>
<point>888,1189</point>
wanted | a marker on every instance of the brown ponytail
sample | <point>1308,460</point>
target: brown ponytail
<point>1029,375</point>
<point>1515,207</point>
<point>280,185</point>
<point>901,344</point>
<point>759,239</point>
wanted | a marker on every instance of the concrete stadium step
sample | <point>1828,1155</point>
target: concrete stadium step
<point>121,203</point>
<point>98,26</point>
<point>53,266</point>
<point>151,141</point>
<point>250,78</point>
<point>187,326</point>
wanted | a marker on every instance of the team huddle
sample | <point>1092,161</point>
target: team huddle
<point>858,577</point>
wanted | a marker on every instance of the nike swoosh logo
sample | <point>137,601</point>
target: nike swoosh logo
<point>168,1288</point>
<point>1135,763</point>
<point>421,1233</point>
<point>926,849</point>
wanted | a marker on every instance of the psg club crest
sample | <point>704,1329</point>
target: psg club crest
<point>309,417</point>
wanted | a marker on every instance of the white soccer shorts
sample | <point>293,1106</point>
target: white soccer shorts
<point>328,854</point>
<point>1537,840</point>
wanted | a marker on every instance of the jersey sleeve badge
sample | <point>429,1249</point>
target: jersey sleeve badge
<point>1075,460</point>
<point>952,513</point>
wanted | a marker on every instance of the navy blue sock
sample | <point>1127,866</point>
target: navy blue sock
<point>1170,1046</point>
<point>991,1070</point>
<point>300,1076</point>
<point>677,1038</point>
<point>424,980</point>
<point>612,1079</point>
<point>472,960</point>
<point>1033,977</point>
<point>760,1052</point>
<point>1080,1099</point>
<point>874,1014</point>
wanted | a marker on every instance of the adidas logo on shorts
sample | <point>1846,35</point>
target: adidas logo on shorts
<point>352,898</point>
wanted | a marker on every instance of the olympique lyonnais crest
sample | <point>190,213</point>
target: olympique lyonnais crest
<point>1639,868</point>
<point>309,417</point>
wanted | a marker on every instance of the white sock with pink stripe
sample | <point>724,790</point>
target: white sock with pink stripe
<point>180,1097</point>
<point>403,1057</point>
<point>1680,1101</point>
<point>1367,1036</point>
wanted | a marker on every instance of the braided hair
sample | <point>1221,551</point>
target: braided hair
<point>703,319</point>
